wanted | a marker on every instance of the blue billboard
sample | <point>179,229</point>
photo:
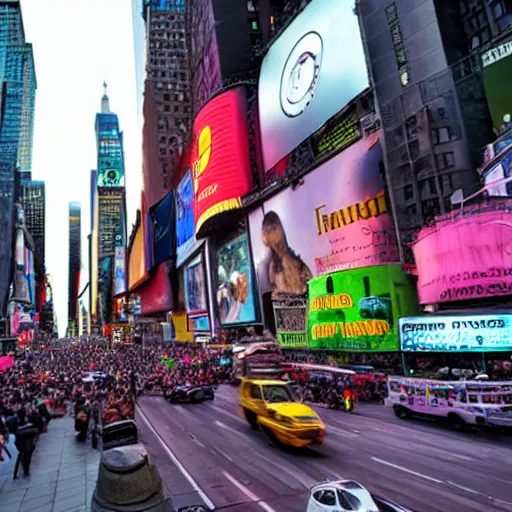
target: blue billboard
<point>462,333</point>
<point>161,217</point>
<point>185,228</point>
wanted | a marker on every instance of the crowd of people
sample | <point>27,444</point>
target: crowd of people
<point>93,381</point>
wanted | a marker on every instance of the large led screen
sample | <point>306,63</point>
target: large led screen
<point>137,259</point>
<point>221,171</point>
<point>161,217</point>
<point>314,68</point>
<point>465,257</point>
<point>195,286</point>
<point>120,270</point>
<point>185,231</point>
<point>462,333</point>
<point>235,287</point>
<point>358,310</point>
<point>338,219</point>
<point>497,76</point>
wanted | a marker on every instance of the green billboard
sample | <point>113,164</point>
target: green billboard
<point>358,310</point>
<point>497,77</point>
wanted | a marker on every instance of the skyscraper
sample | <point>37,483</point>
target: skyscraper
<point>139,46</point>
<point>75,261</point>
<point>17,93</point>
<point>109,213</point>
<point>167,98</point>
<point>33,201</point>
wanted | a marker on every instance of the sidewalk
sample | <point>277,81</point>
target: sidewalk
<point>62,478</point>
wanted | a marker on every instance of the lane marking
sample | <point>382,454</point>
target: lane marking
<point>462,488</point>
<point>380,461</point>
<point>207,501</point>
<point>224,426</point>
<point>223,454</point>
<point>340,431</point>
<point>197,441</point>
<point>296,473</point>
<point>248,493</point>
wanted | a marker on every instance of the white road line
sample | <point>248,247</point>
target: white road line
<point>197,441</point>
<point>380,461</point>
<point>462,488</point>
<point>248,493</point>
<point>208,502</point>
<point>223,454</point>
<point>339,431</point>
<point>224,426</point>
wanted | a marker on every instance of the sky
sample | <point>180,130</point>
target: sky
<point>86,43</point>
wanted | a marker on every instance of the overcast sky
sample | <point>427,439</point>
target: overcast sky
<point>79,44</point>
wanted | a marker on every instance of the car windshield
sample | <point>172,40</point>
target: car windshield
<point>277,393</point>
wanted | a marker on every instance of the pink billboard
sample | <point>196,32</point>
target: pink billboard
<point>338,218</point>
<point>465,257</point>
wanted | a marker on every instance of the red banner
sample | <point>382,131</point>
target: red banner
<point>221,169</point>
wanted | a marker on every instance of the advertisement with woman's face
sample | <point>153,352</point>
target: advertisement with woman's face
<point>337,219</point>
<point>235,295</point>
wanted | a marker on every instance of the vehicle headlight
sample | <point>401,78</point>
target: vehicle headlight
<point>282,419</point>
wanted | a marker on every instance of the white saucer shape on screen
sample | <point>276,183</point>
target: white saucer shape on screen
<point>300,74</point>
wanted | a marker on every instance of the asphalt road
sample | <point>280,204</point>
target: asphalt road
<point>207,453</point>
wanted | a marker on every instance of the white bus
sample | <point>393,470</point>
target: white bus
<point>480,403</point>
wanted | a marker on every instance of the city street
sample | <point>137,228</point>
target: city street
<point>418,464</point>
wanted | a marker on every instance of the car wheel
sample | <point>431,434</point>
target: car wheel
<point>270,436</point>
<point>456,421</point>
<point>251,419</point>
<point>401,412</point>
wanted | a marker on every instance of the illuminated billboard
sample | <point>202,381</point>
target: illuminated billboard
<point>465,257</point>
<point>185,228</point>
<point>497,76</point>
<point>461,333</point>
<point>221,172</point>
<point>120,270</point>
<point>161,217</point>
<point>358,310</point>
<point>338,219</point>
<point>111,219</point>
<point>137,259</point>
<point>312,70</point>
<point>195,286</point>
<point>235,286</point>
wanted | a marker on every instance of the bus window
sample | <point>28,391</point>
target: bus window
<point>473,399</point>
<point>394,386</point>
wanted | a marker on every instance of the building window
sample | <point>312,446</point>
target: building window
<point>254,25</point>
<point>414,149</point>
<point>497,10</point>
<point>463,7</point>
<point>441,135</point>
<point>391,13</point>
<point>408,192</point>
<point>404,77</point>
<point>475,42</point>
<point>250,6</point>
<point>445,161</point>
<point>411,125</point>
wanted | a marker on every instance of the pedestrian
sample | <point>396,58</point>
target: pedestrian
<point>25,442</point>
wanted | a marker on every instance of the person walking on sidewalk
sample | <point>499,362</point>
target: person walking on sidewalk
<point>25,442</point>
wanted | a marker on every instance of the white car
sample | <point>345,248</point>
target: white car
<point>348,496</point>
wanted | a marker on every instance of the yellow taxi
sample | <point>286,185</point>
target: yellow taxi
<point>270,405</point>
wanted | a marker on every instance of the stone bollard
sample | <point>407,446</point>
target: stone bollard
<point>128,481</point>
